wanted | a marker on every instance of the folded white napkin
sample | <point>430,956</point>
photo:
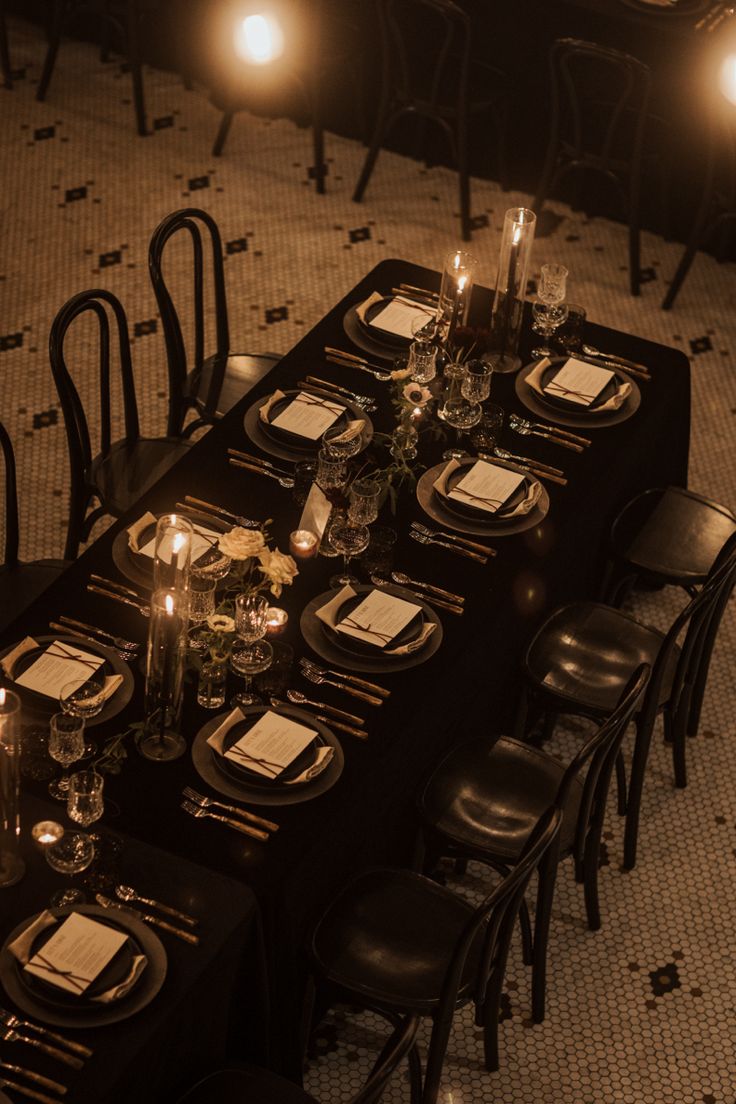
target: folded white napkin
<point>328,614</point>
<point>362,309</point>
<point>136,530</point>
<point>324,755</point>
<point>619,397</point>
<point>354,428</point>
<point>528,502</point>
<point>263,412</point>
<point>20,948</point>
<point>9,661</point>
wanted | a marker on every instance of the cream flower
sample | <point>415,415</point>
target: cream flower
<point>241,544</point>
<point>416,395</point>
<point>401,373</point>
<point>279,568</point>
<point>221,623</point>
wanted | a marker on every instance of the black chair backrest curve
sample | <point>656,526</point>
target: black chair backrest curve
<point>10,552</point>
<point>600,99</point>
<point>110,315</point>
<point>195,222</point>
<point>598,754</point>
<point>497,914</point>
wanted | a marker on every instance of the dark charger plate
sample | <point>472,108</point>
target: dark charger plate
<point>466,509</point>
<point>240,773</point>
<point>357,647</point>
<point>41,704</point>
<point>139,569</point>
<point>559,402</point>
<point>294,440</point>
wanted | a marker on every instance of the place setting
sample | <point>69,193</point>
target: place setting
<point>134,548</point>
<point>267,755</point>
<point>577,393</point>
<point>482,497</point>
<point>79,966</point>
<point>385,325</point>
<point>290,424</point>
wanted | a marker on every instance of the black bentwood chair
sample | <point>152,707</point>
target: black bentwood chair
<point>665,536</point>
<point>585,653</point>
<point>404,947</point>
<point>210,385</point>
<point>428,74</point>
<point>120,19</point>
<point>20,583</point>
<point>123,470</point>
<point>599,103</point>
<point>484,798</point>
<point>251,1085</point>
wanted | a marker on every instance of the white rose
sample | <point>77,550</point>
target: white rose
<point>241,544</point>
<point>278,568</point>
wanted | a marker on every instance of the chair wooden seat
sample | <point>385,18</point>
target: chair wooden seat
<point>242,372</point>
<point>131,468</point>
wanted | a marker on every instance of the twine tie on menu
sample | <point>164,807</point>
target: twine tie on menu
<point>75,979</point>
<point>353,624</point>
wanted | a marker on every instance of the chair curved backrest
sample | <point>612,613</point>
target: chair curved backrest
<point>426,55</point>
<point>111,319</point>
<point>10,551</point>
<point>598,755</point>
<point>198,224</point>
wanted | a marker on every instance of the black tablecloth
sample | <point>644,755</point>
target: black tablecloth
<point>469,685</point>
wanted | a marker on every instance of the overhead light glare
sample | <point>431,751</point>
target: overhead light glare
<point>259,39</point>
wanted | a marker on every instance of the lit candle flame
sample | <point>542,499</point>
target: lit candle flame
<point>178,542</point>
<point>517,234</point>
<point>169,603</point>
<point>259,39</point>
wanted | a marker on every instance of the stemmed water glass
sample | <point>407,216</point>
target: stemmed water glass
<point>549,310</point>
<point>66,746</point>
<point>335,443</point>
<point>332,478</point>
<point>350,535</point>
<point>251,654</point>
<point>457,410</point>
<point>84,701</point>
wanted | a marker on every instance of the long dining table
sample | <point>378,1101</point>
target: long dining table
<point>467,686</point>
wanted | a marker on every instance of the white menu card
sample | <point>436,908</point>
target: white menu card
<point>202,542</point>
<point>316,512</point>
<point>398,316</point>
<point>578,382</point>
<point>486,486</point>
<point>76,953</point>
<point>271,744</point>
<point>59,665</point>
<point>378,618</point>
<point>309,415</point>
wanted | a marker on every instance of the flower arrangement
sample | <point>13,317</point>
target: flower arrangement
<point>258,566</point>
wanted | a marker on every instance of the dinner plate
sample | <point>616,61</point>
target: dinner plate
<point>139,569</point>
<point>41,705</point>
<point>113,974</point>
<point>242,789</point>
<point>284,450</point>
<point>559,402</point>
<point>357,647</point>
<point>681,7</point>
<point>467,510</point>
<point>576,418</point>
<point>141,995</point>
<point>435,507</point>
<point>377,662</point>
<point>241,773</point>
<point>371,329</point>
<point>369,340</point>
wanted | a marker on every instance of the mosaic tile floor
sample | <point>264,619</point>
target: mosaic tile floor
<point>644,1010</point>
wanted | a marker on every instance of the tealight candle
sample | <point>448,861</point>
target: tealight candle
<point>276,620</point>
<point>46,833</point>
<point>303,544</point>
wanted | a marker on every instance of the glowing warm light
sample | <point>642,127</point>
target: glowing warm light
<point>2,696</point>
<point>462,281</point>
<point>178,542</point>
<point>169,603</point>
<point>727,78</point>
<point>259,39</point>
<point>517,234</point>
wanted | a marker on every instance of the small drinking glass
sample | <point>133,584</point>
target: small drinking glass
<point>350,540</point>
<point>423,351</point>
<point>549,310</point>
<point>332,477</point>
<point>363,501</point>
<point>201,599</point>
<point>570,334</point>
<point>484,436</point>
<point>84,802</point>
<point>476,384</point>
<point>66,746</point>
<point>305,473</point>
<point>211,684</point>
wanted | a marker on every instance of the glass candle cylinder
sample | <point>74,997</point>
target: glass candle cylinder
<point>457,284</point>
<point>165,658</point>
<point>172,556</point>
<point>12,866</point>
<point>508,302</point>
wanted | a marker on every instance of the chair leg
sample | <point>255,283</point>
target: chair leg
<point>491,1004</point>
<point>57,20</point>
<point>136,70</point>
<point>620,784</point>
<point>222,132</point>
<point>547,876</point>
<point>318,147</point>
<point>436,1058</point>
<point>678,735</point>
<point>636,785</point>
<point>527,942</point>
<point>591,860</point>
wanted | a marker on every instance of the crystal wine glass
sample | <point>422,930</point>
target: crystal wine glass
<point>250,654</point>
<point>65,852</point>
<point>549,310</point>
<point>423,350</point>
<point>84,701</point>
<point>456,410</point>
<point>66,745</point>
<point>332,477</point>
<point>363,501</point>
<point>349,539</point>
<point>334,443</point>
<point>85,803</point>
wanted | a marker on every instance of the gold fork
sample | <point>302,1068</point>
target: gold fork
<point>199,811</point>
